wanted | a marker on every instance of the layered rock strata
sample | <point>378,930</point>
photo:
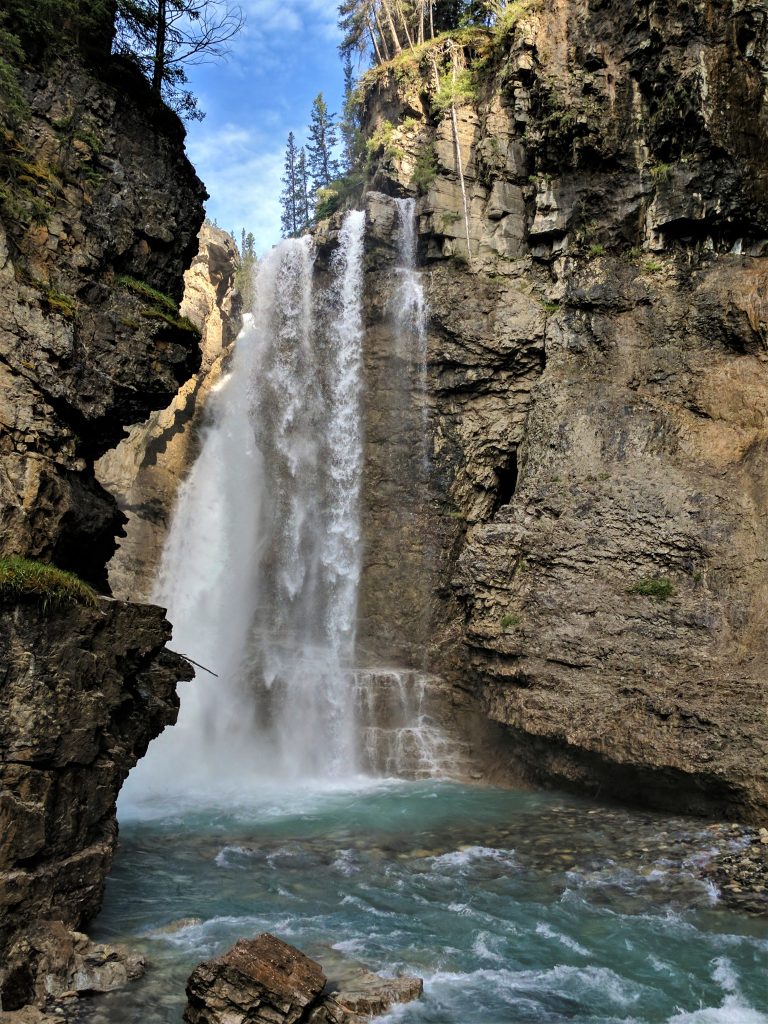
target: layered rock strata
<point>266,980</point>
<point>597,347</point>
<point>90,336</point>
<point>52,965</point>
<point>84,691</point>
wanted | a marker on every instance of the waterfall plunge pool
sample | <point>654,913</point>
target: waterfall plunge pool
<point>514,907</point>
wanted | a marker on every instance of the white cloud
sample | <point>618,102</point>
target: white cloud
<point>245,191</point>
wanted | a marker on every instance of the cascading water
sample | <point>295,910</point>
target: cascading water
<point>261,568</point>
<point>408,303</point>
<point>398,707</point>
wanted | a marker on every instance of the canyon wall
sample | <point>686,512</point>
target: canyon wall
<point>576,559</point>
<point>98,221</point>
<point>144,471</point>
<point>597,386</point>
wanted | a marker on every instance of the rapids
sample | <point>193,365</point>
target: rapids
<point>516,908</point>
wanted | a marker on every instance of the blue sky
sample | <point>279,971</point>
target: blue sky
<point>284,56</point>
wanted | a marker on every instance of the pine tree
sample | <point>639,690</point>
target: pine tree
<point>323,165</point>
<point>289,199</point>
<point>350,125</point>
<point>302,177</point>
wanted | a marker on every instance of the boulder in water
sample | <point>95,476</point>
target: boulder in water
<point>261,979</point>
<point>266,981</point>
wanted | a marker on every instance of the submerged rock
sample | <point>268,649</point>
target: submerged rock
<point>365,996</point>
<point>266,980</point>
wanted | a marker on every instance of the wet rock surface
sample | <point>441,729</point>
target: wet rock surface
<point>83,692</point>
<point>739,868</point>
<point>261,979</point>
<point>51,966</point>
<point>364,996</point>
<point>596,365</point>
<point>266,980</point>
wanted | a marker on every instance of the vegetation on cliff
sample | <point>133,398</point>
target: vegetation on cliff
<point>161,37</point>
<point>390,29</point>
<point>21,578</point>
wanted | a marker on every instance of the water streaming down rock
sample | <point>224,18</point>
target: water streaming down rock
<point>261,570</point>
<point>400,734</point>
<point>399,709</point>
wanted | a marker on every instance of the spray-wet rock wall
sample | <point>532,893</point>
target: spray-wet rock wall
<point>596,376</point>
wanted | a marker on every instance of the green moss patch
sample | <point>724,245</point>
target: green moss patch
<point>659,588</point>
<point>181,323</point>
<point>147,292</point>
<point>63,305</point>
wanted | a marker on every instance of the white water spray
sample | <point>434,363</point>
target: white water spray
<point>262,563</point>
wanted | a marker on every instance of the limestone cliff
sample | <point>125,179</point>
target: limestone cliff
<point>145,470</point>
<point>598,385</point>
<point>98,221</point>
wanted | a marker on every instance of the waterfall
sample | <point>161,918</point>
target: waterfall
<point>307,415</point>
<point>408,303</point>
<point>261,568</point>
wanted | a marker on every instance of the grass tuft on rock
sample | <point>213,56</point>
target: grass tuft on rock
<point>21,578</point>
<point>147,292</point>
<point>509,620</point>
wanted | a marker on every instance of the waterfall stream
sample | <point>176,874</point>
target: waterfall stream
<point>262,564</point>
<point>261,569</point>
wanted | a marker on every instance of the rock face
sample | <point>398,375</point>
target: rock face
<point>266,981</point>
<point>262,979</point>
<point>597,378</point>
<point>83,692</point>
<point>49,962</point>
<point>91,340</point>
<point>145,470</point>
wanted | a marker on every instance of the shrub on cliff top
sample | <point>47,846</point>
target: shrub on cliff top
<point>21,579</point>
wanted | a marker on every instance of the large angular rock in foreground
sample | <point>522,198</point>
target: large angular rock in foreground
<point>266,981</point>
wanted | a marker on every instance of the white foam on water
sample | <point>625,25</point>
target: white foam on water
<point>467,855</point>
<point>224,858</point>
<point>482,947</point>
<point>346,862</point>
<point>548,932</point>
<point>510,986</point>
<point>733,1010</point>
